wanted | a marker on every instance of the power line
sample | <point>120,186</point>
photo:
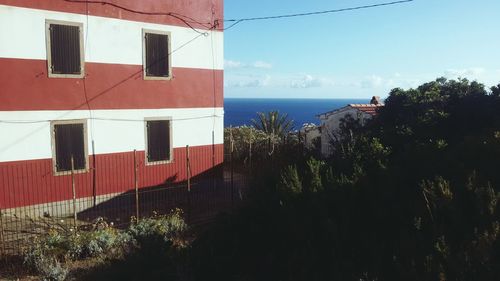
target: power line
<point>237,21</point>
<point>188,21</point>
<point>107,119</point>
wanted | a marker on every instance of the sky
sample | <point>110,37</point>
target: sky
<point>358,54</point>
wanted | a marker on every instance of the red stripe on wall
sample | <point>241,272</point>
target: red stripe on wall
<point>25,183</point>
<point>197,13</point>
<point>26,86</point>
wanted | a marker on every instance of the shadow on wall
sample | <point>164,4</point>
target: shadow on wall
<point>208,193</point>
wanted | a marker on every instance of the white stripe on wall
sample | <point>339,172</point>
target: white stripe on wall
<point>112,130</point>
<point>113,41</point>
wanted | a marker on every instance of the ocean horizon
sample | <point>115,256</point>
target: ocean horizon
<point>240,111</point>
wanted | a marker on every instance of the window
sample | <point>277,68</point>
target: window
<point>158,141</point>
<point>156,55</point>
<point>64,49</point>
<point>69,141</point>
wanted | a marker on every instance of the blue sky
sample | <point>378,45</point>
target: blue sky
<point>361,53</point>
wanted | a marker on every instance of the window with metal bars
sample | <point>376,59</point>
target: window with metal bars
<point>65,49</point>
<point>69,146</point>
<point>159,145</point>
<point>156,55</point>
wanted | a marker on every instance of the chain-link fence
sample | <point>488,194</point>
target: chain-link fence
<point>117,188</point>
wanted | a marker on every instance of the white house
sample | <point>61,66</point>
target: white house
<point>309,133</point>
<point>330,121</point>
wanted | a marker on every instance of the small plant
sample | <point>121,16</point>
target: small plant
<point>50,254</point>
<point>52,270</point>
<point>290,180</point>
<point>168,228</point>
<point>313,175</point>
<point>93,243</point>
<point>47,256</point>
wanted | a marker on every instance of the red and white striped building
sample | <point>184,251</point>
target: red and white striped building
<point>109,95</point>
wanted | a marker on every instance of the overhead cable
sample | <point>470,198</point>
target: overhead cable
<point>237,21</point>
<point>188,21</point>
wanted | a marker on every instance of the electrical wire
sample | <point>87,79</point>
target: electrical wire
<point>188,21</point>
<point>214,80</point>
<point>107,119</point>
<point>84,79</point>
<point>237,21</point>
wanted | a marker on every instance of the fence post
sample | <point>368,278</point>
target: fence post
<point>94,172</point>
<point>188,175</point>
<point>214,173</point>
<point>136,186</point>
<point>231,143</point>
<point>74,190</point>
<point>250,153</point>
<point>2,233</point>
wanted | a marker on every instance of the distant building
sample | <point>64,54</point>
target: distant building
<point>310,134</point>
<point>330,121</point>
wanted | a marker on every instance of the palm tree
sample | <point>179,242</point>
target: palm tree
<point>274,125</point>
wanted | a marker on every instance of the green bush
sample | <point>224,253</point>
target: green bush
<point>158,230</point>
<point>47,255</point>
<point>51,253</point>
<point>290,182</point>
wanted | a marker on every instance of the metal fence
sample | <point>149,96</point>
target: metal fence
<point>117,188</point>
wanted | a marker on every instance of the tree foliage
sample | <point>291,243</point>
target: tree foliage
<point>273,123</point>
<point>412,195</point>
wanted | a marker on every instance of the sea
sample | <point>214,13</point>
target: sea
<point>240,111</point>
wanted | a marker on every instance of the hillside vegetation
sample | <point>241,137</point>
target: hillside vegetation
<point>413,195</point>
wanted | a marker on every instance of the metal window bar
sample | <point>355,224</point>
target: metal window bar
<point>65,49</point>
<point>157,59</point>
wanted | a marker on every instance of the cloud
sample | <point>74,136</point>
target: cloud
<point>473,72</point>
<point>371,82</point>
<point>376,82</point>
<point>262,64</point>
<point>306,81</point>
<point>488,77</point>
<point>231,64</point>
<point>249,81</point>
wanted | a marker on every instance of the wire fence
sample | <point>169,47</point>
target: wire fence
<point>118,188</point>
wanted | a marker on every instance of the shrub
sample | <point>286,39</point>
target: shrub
<point>47,256</point>
<point>290,181</point>
<point>50,254</point>
<point>95,243</point>
<point>167,228</point>
<point>313,175</point>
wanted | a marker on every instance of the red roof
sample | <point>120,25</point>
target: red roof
<point>367,108</point>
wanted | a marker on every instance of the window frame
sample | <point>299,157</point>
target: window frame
<point>169,43</point>
<point>53,143</point>
<point>49,22</point>
<point>171,148</point>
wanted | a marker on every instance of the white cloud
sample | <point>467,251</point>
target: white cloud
<point>232,64</point>
<point>371,82</point>
<point>249,81</point>
<point>473,73</point>
<point>262,64</point>
<point>307,81</point>
<point>397,80</point>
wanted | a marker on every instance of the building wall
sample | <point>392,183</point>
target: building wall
<point>330,125</point>
<point>113,96</point>
<point>310,134</point>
